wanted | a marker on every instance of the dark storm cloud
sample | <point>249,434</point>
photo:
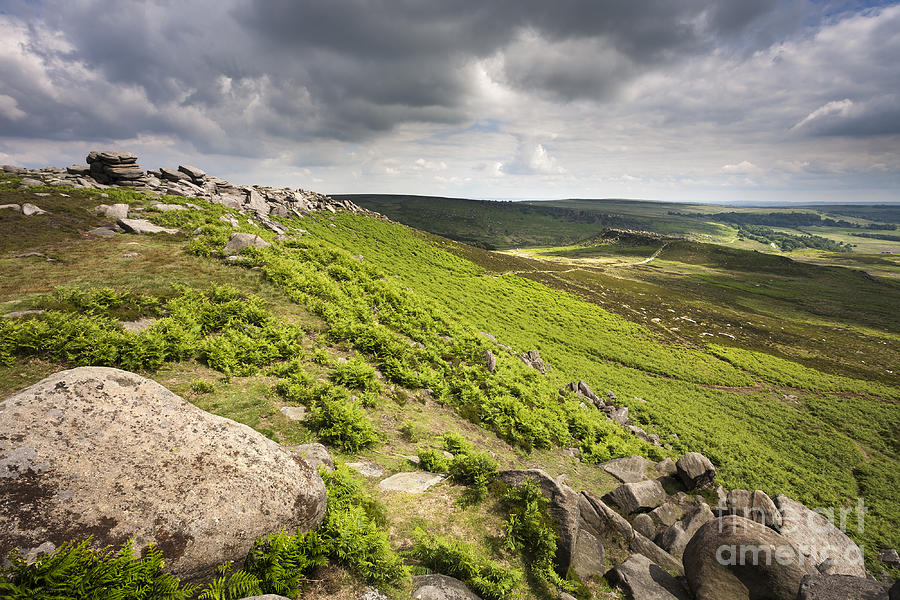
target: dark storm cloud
<point>222,74</point>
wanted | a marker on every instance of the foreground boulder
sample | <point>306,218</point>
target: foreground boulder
<point>101,452</point>
<point>842,587</point>
<point>644,580</point>
<point>640,496</point>
<point>734,558</point>
<point>695,471</point>
<point>440,587</point>
<point>825,546</point>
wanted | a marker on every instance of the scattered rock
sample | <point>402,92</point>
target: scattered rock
<point>630,469</point>
<point>763,510</point>
<point>640,496</point>
<point>532,358</point>
<point>644,580</point>
<point>666,514</point>
<point>192,172</point>
<point>643,545</point>
<point>490,361</point>
<point>601,519</point>
<point>139,325</point>
<point>14,207</point>
<point>889,557</point>
<point>114,211</point>
<point>294,413</point>
<point>734,558</point>
<point>414,482</point>
<point>695,471</point>
<point>367,469</point>
<point>666,467</point>
<point>30,209</point>
<point>102,232</point>
<point>31,255</point>
<point>103,452</point>
<point>143,226</point>
<point>588,554</point>
<point>30,182</point>
<point>167,207</point>
<point>643,524</point>
<point>842,587</point>
<point>824,545</point>
<point>315,454</point>
<point>239,241</point>
<point>22,313</point>
<point>440,587</point>
<point>675,538</point>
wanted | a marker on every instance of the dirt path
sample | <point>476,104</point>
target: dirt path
<point>652,256</point>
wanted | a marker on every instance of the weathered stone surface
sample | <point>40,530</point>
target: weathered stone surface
<point>490,361</point>
<point>315,454</point>
<point>29,209</point>
<point>143,226</point>
<point>139,325</point>
<point>695,471</point>
<point>640,496</point>
<point>642,579</point>
<point>675,538</point>
<point>413,482</point>
<point>367,469</point>
<point>643,524</point>
<point>588,555</point>
<point>161,207</point>
<point>532,358</point>
<point>602,519</point>
<point>239,241</point>
<point>842,587</point>
<point>666,514</point>
<point>738,503</point>
<point>630,469</point>
<point>666,467</point>
<point>103,452</point>
<point>113,212</point>
<point>78,170</point>
<point>734,558</point>
<point>192,172</point>
<point>104,232</point>
<point>818,539</point>
<point>763,510</point>
<point>15,207</point>
<point>22,313</point>
<point>30,182</point>
<point>889,556</point>
<point>294,413</point>
<point>642,545</point>
<point>563,508</point>
<point>371,593</point>
<point>173,175</point>
<point>440,587</point>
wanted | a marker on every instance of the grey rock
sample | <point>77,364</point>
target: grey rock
<point>666,514</point>
<point>108,453</point>
<point>14,207</point>
<point>601,519</point>
<point>161,207</point>
<point>642,579</point>
<point>78,170</point>
<point>532,358</point>
<point>113,212</point>
<point>619,414</point>
<point>315,454</point>
<point>842,587</point>
<point>30,182</point>
<point>239,241</point>
<point>666,467</point>
<point>102,232</point>
<point>818,539</point>
<point>143,226</point>
<point>367,469</point>
<point>695,471</point>
<point>642,545</point>
<point>763,510</point>
<point>112,157</point>
<point>192,172</point>
<point>563,508</point>
<point>738,503</point>
<point>230,220</point>
<point>29,209</point>
<point>630,469</point>
<point>371,593</point>
<point>294,413</point>
<point>31,255</point>
<point>22,313</point>
<point>173,175</point>
<point>644,524</point>
<point>734,558</point>
<point>640,496</point>
<point>490,361</point>
<point>139,325</point>
<point>675,538</point>
<point>440,587</point>
<point>588,555</point>
<point>889,556</point>
<point>414,482</point>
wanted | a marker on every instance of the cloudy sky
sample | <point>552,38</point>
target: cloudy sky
<point>744,100</point>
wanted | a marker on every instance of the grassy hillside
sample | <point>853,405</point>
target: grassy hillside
<point>379,330</point>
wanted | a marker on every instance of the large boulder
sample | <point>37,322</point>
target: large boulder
<point>629,469</point>
<point>642,579</point>
<point>100,452</point>
<point>239,241</point>
<point>695,471</point>
<point>675,538</point>
<point>824,545</point>
<point>640,496</point>
<point>734,558</point>
<point>842,587</point>
<point>440,587</point>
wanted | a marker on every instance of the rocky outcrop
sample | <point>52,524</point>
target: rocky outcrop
<point>239,241</point>
<point>115,168</point>
<point>490,361</point>
<point>106,453</point>
<point>695,471</point>
<point>824,545</point>
<point>440,587</point>
<point>532,358</point>
<point>640,496</point>
<point>630,469</point>
<point>642,579</point>
<point>675,538</point>
<point>842,587</point>
<point>734,558</point>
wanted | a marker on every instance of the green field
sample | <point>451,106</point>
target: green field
<point>783,373</point>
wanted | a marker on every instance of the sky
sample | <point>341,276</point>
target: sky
<point>687,100</point>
